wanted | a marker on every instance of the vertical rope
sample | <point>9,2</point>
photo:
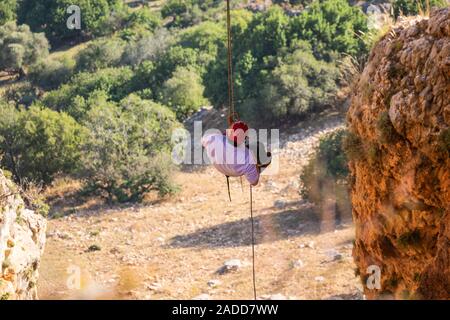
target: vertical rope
<point>232,116</point>
<point>253,242</point>
<point>228,186</point>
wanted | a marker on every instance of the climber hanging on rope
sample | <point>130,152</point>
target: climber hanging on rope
<point>233,154</point>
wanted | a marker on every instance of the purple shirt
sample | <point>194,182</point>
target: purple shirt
<point>232,161</point>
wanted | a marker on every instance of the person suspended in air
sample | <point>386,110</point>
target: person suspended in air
<point>233,154</point>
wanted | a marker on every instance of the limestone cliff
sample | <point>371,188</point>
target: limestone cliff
<point>22,239</point>
<point>399,142</point>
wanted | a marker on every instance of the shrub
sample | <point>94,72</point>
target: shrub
<point>207,37</point>
<point>32,195</point>
<point>176,56</point>
<point>183,93</point>
<point>386,130</point>
<point>331,26</point>
<point>267,33</point>
<point>20,48</point>
<point>22,94</point>
<point>281,67</point>
<point>298,86</point>
<point>414,7</point>
<point>50,16</point>
<point>7,11</point>
<point>149,48</point>
<point>38,143</point>
<point>100,54</point>
<point>325,176</point>
<point>126,152</point>
<point>49,74</point>
<point>182,12</point>
<point>143,18</point>
<point>71,97</point>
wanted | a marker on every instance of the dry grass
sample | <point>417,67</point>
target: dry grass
<point>68,51</point>
<point>171,249</point>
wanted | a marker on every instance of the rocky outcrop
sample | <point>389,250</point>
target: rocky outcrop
<point>22,239</point>
<point>399,141</point>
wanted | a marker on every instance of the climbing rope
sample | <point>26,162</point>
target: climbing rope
<point>253,242</point>
<point>232,114</point>
<point>232,117</point>
<point>228,187</point>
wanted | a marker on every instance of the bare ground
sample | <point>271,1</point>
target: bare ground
<point>173,248</point>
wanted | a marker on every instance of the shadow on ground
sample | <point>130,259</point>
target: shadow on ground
<point>268,228</point>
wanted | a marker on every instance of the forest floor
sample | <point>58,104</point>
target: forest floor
<point>177,248</point>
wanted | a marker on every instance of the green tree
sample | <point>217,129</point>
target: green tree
<point>150,47</point>
<point>72,96</point>
<point>49,74</point>
<point>266,33</point>
<point>20,48</point>
<point>50,16</point>
<point>140,22</point>
<point>126,152</point>
<point>183,93</point>
<point>100,54</point>
<point>178,10</point>
<point>297,86</point>
<point>215,79</point>
<point>7,11</point>
<point>38,143</point>
<point>153,75</point>
<point>332,27</point>
<point>22,94</point>
<point>206,37</point>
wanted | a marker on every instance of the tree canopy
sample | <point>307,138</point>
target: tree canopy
<point>20,48</point>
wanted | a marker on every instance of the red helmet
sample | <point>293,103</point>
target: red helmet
<point>237,132</point>
<point>239,125</point>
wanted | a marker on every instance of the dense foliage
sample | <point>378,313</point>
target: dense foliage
<point>126,153</point>
<point>332,27</point>
<point>73,97</point>
<point>413,7</point>
<point>48,74</point>
<point>38,143</point>
<point>142,71</point>
<point>266,43</point>
<point>7,11</point>
<point>19,47</point>
<point>50,16</point>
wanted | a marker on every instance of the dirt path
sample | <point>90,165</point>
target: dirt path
<point>175,249</point>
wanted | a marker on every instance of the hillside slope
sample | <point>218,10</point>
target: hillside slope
<point>174,249</point>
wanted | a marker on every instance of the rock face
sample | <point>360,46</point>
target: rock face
<point>22,239</point>
<point>399,142</point>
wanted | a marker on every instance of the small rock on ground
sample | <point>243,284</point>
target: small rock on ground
<point>203,296</point>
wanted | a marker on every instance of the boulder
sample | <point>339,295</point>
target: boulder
<point>22,240</point>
